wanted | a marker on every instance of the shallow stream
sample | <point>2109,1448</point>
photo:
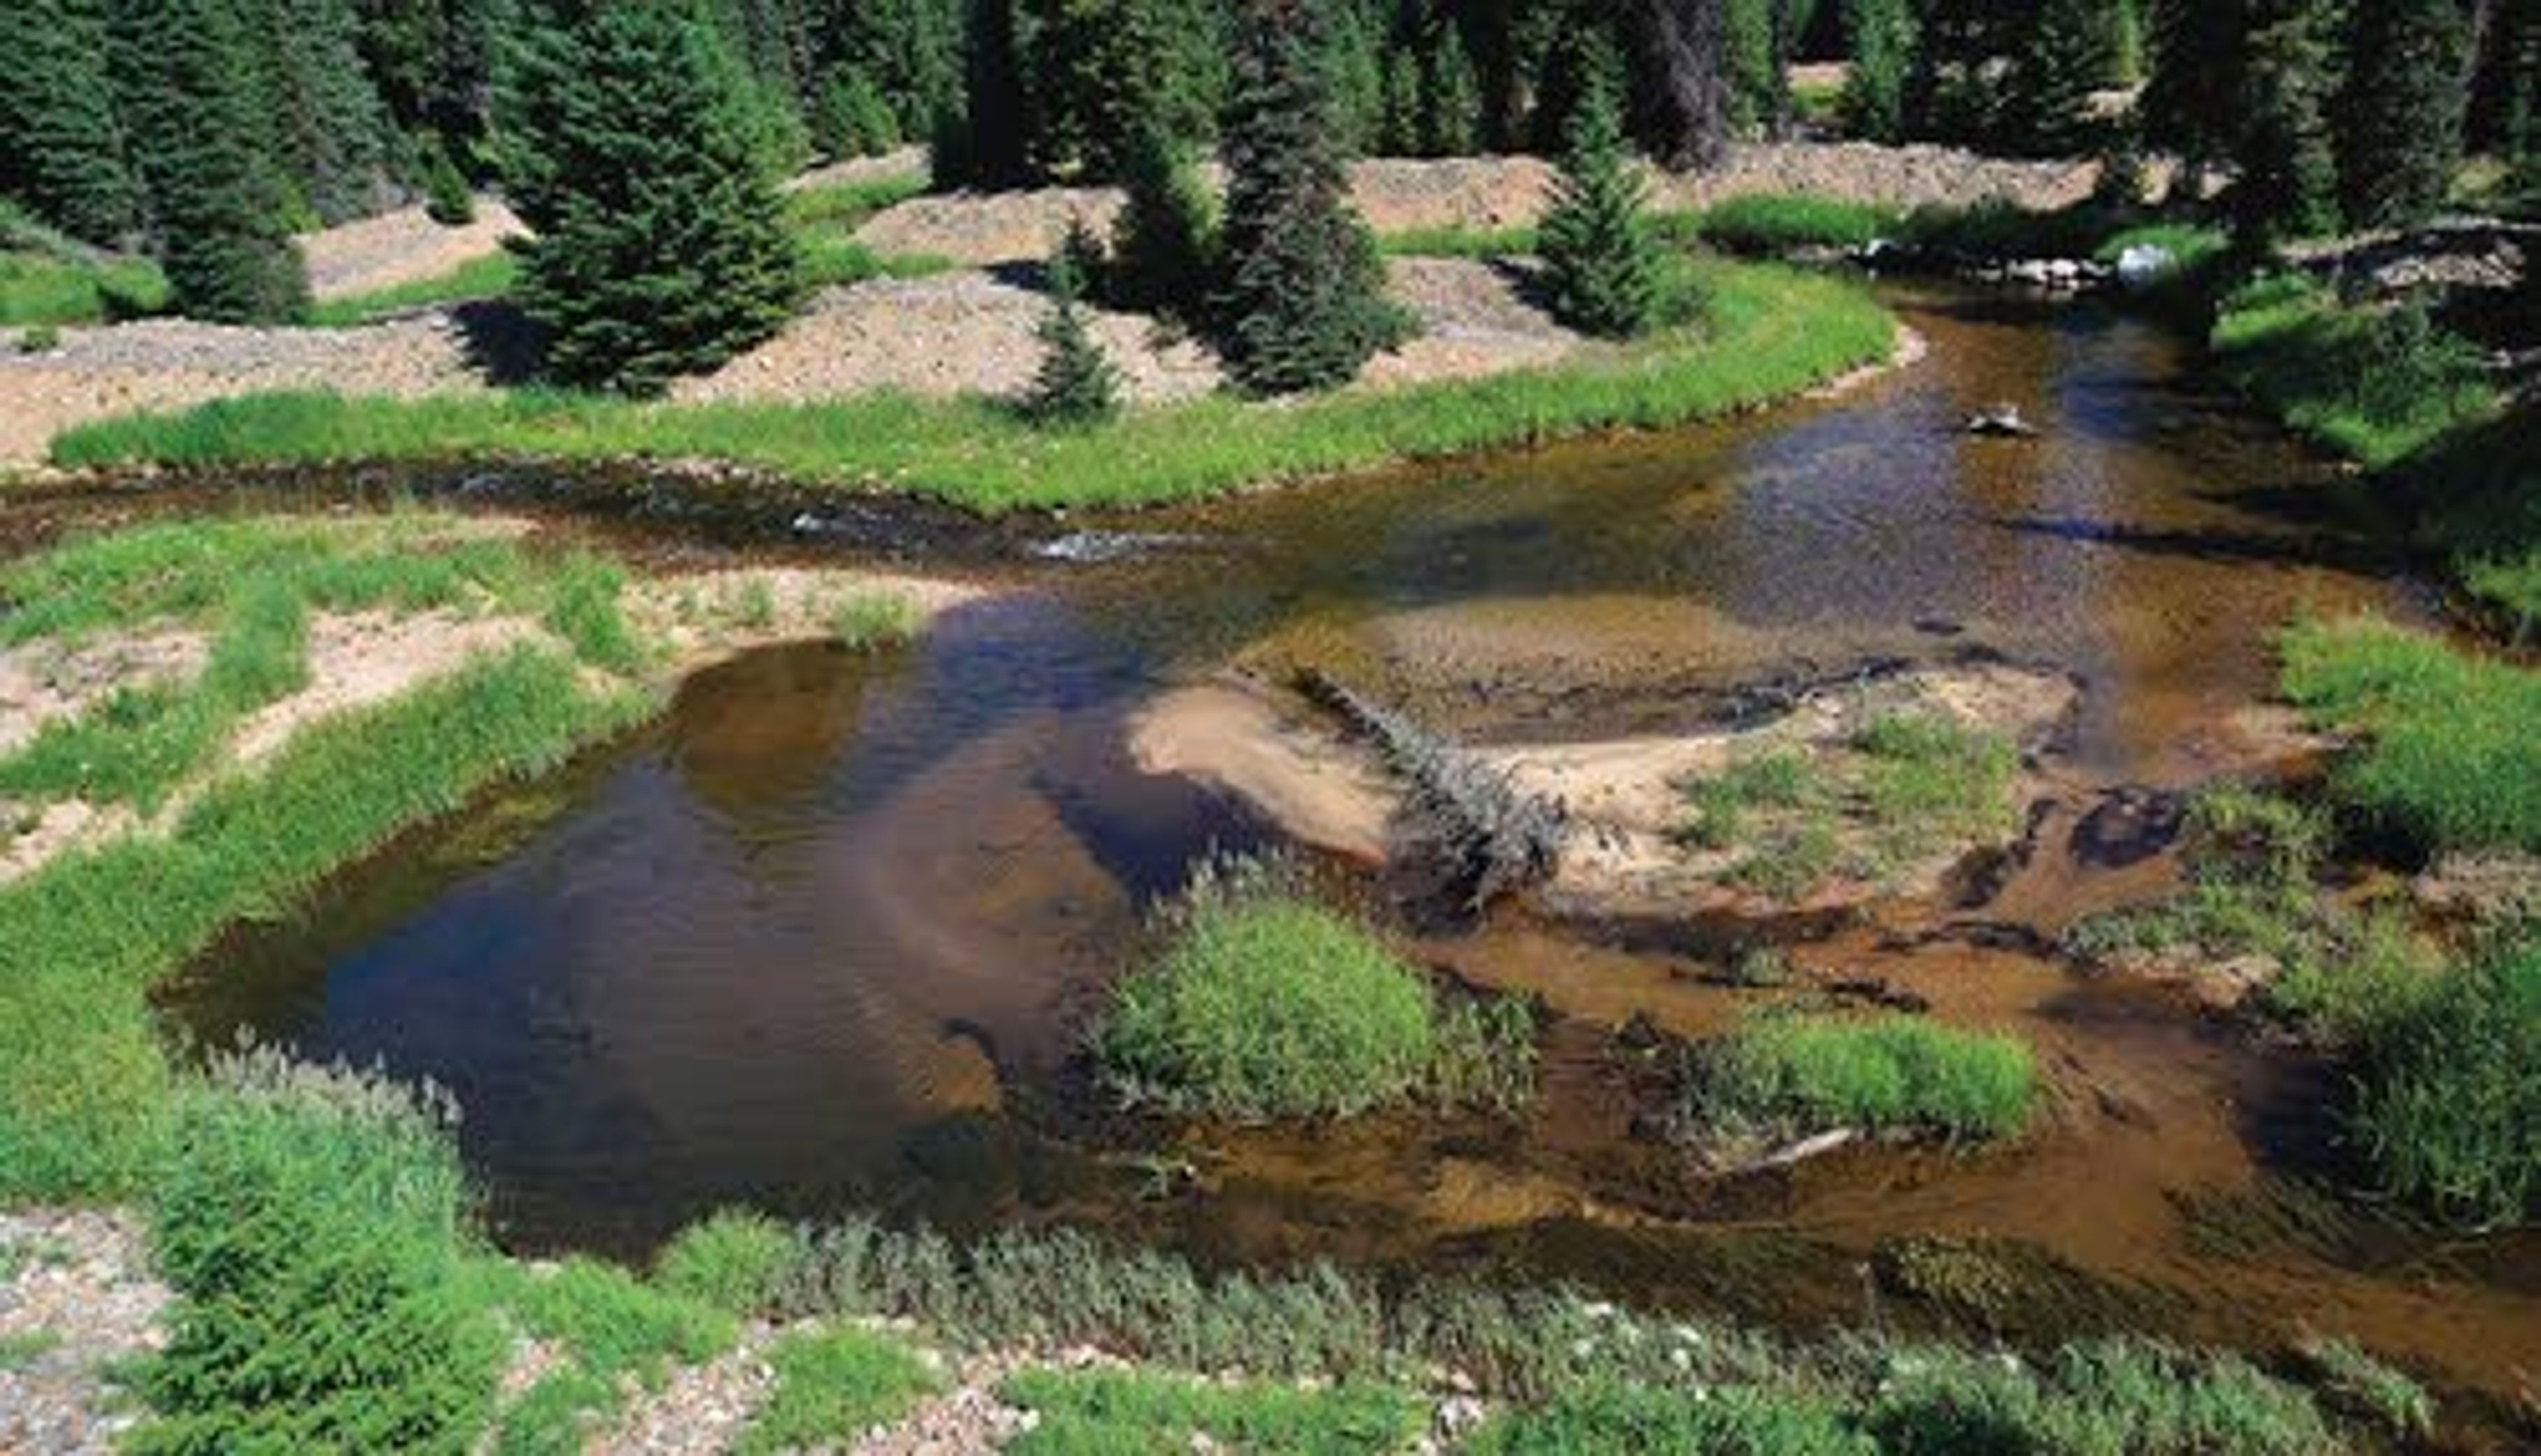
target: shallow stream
<point>824,938</point>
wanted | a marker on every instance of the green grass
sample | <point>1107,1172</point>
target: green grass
<point>2112,1395</point>
<point>872,619</point>
<point>24,1348</point>
<point>85,1087</point>
<point>2477,497</point>
<point>1906,787</point>
<point>36,289</point>
<point>2191,246</point>
<point>253,583</point>
<point>1724,805</point>
<point>2448,1110</point>
<point>1736,1421</point>
<point>1769,224</point>
<point>477,280</point>
<point>614,1324</point>
<point>314,1225</point>
<point>1788,1076</point>
<point>833,1385</point>
<point>846,206</point>
<point>1458,242</point>
<point>730,1262</point>
<point>1116,1412</point>
<point>2372,384</point>
<point>2448,753</point>
<point>1267,1007</point>
<point>1769,331</point>
<point>1927,782</point>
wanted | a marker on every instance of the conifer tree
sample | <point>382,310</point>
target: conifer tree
<point>1076,384</point>
<point>1451,100</point>
<point>217,203</point>
<point>1304,303</point>
<point>1163,242</point>
<point>990,141</point>
<point>2288,187</point>
<point>1602,266</point>
<point>2400,115</point>
<point>2065,60</point>
<point>328,125</point>
<point>851,118</point>
<point>61,144</point>
<point>659,245</point>
<point>1879,37</point>
<point>2192,99</point>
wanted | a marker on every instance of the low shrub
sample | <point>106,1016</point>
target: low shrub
<point>1785,1074</point>
<point>314,1225</point>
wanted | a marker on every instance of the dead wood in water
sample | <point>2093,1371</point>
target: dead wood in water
<point>1492,836</point>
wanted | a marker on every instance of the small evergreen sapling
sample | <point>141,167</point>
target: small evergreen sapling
<point>1164,240</point>
<point>1077,386</point>
<point>1602,265</point>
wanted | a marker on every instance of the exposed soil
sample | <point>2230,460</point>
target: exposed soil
<point>77,1298</point>
<point>401,247</point>
<point>1626,797</point>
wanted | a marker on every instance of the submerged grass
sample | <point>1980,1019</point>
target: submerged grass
<point>1788,1076</point>
<point>1768,333</point>
<point>1266,1005</point>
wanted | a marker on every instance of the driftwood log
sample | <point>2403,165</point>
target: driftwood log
<point>1490,836</point>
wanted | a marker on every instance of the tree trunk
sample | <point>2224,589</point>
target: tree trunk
<point>1681,82</point>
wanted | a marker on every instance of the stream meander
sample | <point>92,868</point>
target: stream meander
<point>823,936</point>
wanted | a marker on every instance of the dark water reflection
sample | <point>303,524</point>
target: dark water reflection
<point>821,938</point>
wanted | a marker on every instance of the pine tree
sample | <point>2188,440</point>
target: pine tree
<point>1076,385</point>
<point>1451,99</point>
<point>989,142</point>
<point>446,201</point>
<point>1163,242</point>
<point>1880,37</point>
<point>1602,266</point>
<point>1304,304</point>
<point>1754,70</point>
<point>61,145</point>
<point>2287,185</point>
<point>2192,99</point>
<point>851,118</point>
<point>217,204</point>
<point>328,124</point>
<point>2400,116</point>
<point>2048,109</point>
<point>659,243</point>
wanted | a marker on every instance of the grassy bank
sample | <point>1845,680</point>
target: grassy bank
<point>320,1221</point>
<point>1771,332</point>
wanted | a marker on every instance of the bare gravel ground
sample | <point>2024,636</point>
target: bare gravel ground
<point>400,247</point>
<point>76,1296</point>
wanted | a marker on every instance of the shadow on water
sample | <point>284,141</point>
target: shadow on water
<point>823,936</point>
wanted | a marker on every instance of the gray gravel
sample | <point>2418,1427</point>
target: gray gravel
<point>76,1296</point>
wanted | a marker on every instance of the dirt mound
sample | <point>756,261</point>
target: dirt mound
<point>401,247</point>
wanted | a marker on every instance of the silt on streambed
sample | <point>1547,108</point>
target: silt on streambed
<point>826,934</point>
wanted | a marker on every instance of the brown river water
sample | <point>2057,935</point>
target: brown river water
<point>825,935</point>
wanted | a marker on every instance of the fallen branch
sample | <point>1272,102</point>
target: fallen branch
<point>1494,836</point>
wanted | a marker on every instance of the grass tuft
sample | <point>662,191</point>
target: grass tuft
<point>832,1386</point>
<point>1085,1413</point>
<point>1788,1076</point>
<point>731,1262</point>
<point>1268,1006</point>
